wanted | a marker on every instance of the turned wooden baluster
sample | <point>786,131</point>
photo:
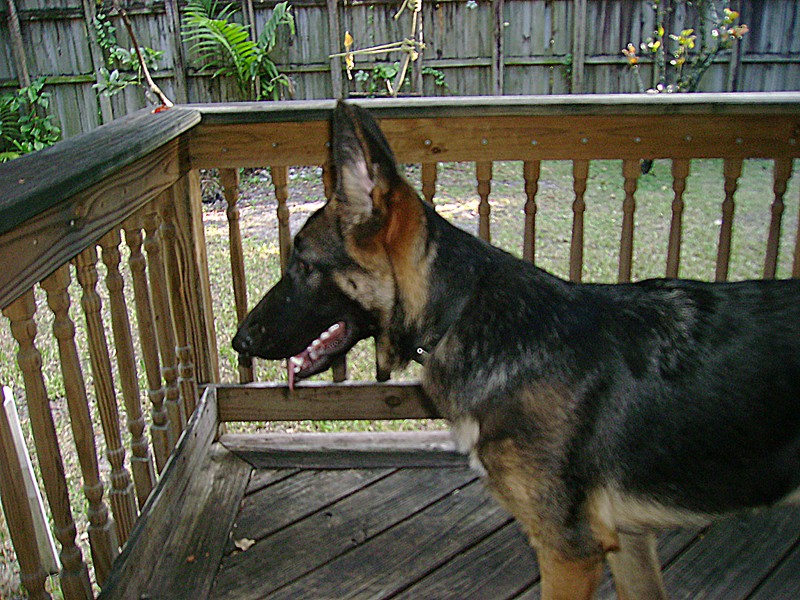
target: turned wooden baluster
<point>530,173</point>
<point>230,187</point>
<point>148,342</point>
<point>74,575</point>
<point>580,173</point>
<point>781,172</point>
<point>123,503</point>
<point>483,173</point>
<point>141,464</point>
<point>102,531</point>
<point>680,172</point>
<point>177,298</point>
<point>280,181</point>
<point>162,313</point>
<point>731,171</point>
<point>339,365</point>
<point>429,174</point>
<point>19,518</point>
<point>631,170</point>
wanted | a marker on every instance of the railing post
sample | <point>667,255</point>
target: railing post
<point>680,172</point>
<point>177,299</point>
<point>123,503</point>
<point>230,188</point>
<point>165,332</point>
<point>531,170</point>
<point>483,173</point>
<point>631,170</point>
<point>102,531</point>
<point>141,465</point>
<point>782,171</point>
<point>280,181</point>
<point>148,342</point>
<point>74,574</point>
<point>428,176</point>
<point>732,170</point>
<point>580,173</point>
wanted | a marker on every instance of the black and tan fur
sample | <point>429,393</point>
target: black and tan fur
<point>597,412</point>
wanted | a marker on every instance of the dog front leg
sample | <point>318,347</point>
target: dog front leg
<point>636,569</point>
<point>568,579</point>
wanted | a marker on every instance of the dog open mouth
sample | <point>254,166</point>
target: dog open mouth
<point>319,354</point>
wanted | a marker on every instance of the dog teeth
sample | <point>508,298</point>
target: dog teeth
<point>333,328</point>
<point>325,335</point>
<point>297,362</point>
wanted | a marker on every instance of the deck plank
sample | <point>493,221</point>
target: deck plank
<point>402,555</point>
<point>294,498</point>
<point>192,554</point>
<point>347,450</point>
<point>734,556</point>
<point>498,567</point>
<point>262,478</point>
<point>783,582</point>
<point>294,551</point>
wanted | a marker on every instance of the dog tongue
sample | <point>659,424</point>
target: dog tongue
<point>323,345</point>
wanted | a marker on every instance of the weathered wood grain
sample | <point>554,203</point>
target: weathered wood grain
<point>347,450</point>
<point>409,550</point>
<point>326,534</point>
<point>36,182</point>
<point>189,559</point>
<point>529,128</point>
<point>733,557</point>
<point>499,566</point>
<point>35,248</point>
<point>131,568</point>
<point>313,400</point>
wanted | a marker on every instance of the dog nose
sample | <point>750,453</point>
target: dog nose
<point>242,342</point>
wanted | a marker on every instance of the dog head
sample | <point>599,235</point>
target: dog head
<point>356,266</point>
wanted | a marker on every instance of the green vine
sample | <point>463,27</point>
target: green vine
<point>122,64</point>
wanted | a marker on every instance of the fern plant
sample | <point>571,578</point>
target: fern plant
<point>225,48</point>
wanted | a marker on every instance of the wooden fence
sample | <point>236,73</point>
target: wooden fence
<point>478,47</point>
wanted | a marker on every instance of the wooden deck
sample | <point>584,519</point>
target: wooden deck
<point>402,516</point>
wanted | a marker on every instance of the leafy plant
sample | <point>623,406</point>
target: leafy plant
<point>225,48</point>
<point>122,64</point>
<point>24,123</point>
<point>380,77</point>
<point>691,53</point>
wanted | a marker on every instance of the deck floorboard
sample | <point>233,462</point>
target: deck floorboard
<point>315,526</point>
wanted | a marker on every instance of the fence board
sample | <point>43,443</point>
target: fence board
<point>537,49</point>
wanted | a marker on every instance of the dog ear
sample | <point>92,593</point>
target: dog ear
<point>364,164</point>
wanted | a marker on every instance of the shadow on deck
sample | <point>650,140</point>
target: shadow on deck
<point>396,515</point>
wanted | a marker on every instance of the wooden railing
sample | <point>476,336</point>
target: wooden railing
<point>138,180</point>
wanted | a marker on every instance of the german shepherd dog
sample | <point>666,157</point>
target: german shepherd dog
<point>597,413</point>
